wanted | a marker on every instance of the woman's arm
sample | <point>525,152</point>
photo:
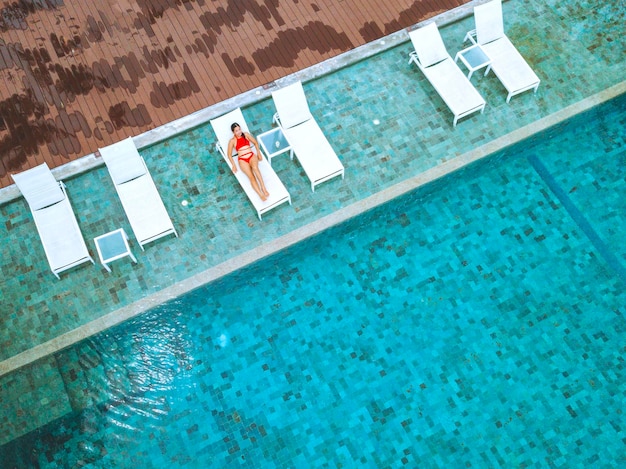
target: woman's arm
<point>229,153</point>
<point>252,140</point>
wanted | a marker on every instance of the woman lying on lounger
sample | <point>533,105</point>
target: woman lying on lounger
<point>248,160</point>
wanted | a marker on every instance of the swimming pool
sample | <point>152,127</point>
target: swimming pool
<point>478,320</point>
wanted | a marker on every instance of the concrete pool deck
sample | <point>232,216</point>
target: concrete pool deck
<point>377,111</point>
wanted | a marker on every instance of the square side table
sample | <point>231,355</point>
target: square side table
<point>274,143</point>
<point>474,58</point>
<point>112,246</point>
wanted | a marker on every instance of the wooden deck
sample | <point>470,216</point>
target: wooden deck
<point>83,74</point>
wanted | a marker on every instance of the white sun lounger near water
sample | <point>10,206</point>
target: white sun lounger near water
<point>506,62</point>
<point>305,137</point>
<point>432,58</point>
<point>56,223</point>
<point>278,191</point>
<point>136,189</point>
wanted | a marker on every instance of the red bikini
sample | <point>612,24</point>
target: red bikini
<point>244,142</point>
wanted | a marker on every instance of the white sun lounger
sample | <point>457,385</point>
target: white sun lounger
<point>56,223</point>
<point>306,139</point>
<point>278,191</point>
<point>139,196</point>
<point>506,61</point>
<point>432,58</point>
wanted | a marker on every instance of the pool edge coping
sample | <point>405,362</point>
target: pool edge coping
<point>224,268</point>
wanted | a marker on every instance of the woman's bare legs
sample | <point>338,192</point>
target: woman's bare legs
<point>247,169</point>
<point>254,164</point>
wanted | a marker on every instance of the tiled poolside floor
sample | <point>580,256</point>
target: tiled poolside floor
<point>576,54</point>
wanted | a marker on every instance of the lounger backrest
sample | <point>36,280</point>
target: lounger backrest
<point>123,161</point>
<point>221,127</point>
<point>428,45</point>
<point>291,105</point>
<point>489,23</point>
<point>39,187</point>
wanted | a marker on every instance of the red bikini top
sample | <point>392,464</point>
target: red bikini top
<point>242,142</point>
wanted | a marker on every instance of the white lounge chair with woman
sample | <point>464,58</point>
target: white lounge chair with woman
<point>253,172</point>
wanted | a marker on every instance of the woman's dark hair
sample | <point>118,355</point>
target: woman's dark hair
<point>234,126</point>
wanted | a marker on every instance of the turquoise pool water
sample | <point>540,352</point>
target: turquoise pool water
<point>476,322</point>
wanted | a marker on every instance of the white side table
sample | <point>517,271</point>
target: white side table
<point>112,246</point>
<point>274,143</point>
<point>474,58</point>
